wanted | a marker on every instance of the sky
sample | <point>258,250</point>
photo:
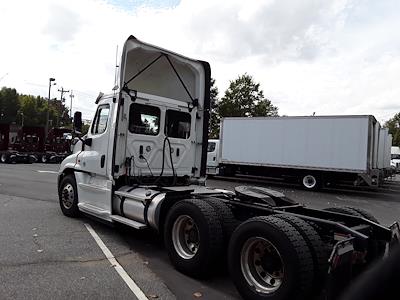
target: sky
<point>310,56</point>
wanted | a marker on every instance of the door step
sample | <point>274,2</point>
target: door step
<point>128,222</point>
<point>90,209</point>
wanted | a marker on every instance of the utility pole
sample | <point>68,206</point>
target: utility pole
<point>71,95</point>
<point>48,108</point>
<point>62,91</point>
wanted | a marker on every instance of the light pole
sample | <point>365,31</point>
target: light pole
<point>48,108</point>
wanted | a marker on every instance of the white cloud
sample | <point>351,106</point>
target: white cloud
<point>331,57</point>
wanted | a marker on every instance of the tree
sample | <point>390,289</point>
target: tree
<point>394,128</point>
<point>9,105</point>
<point>243,98</point>
<point>213,129</point>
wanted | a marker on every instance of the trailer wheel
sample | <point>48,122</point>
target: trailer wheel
<point>193,237</point>
<point>269,259</point>
<point>318,249</point>
<point>226,217</point>
<point>4,158</point>
<point>310,182</point>
<point>68,196</point>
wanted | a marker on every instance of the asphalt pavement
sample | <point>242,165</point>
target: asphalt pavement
<point>44,254</point>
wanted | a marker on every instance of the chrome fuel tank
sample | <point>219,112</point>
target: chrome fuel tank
<point>141,204</point>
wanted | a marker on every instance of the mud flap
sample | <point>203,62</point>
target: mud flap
<point>340,268</point>
<point>395,240</point>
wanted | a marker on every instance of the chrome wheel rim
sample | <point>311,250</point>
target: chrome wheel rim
<point>44,159</point>
<point>262,265</point>
<point>185,237</point>
<point>309,181</point>
<point>3,158</point>
<point>67,196</point>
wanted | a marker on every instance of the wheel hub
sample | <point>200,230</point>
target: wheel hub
<point>262,265</point>
<point>185,237</point>
<point>309,181</point>
<point>67,196</point>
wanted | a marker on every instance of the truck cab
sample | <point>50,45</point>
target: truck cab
<point>213,157</point>
<point>152,130</point>
<point>57,146</point>
<point>395,158</point>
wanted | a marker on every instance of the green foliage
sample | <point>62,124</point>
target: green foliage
<point>214,117</point>
<point>394,128</point>
<point>243,98</point>
<point>31,110</point>
<point>9,105</point>
<point>85,128</point>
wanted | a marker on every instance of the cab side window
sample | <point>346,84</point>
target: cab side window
<point>144,119</point>
<point>100,120</point>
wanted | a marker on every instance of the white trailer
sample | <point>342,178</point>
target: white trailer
<point>384,148</point>
<point>315,150</point>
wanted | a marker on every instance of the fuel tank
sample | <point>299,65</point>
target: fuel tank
<point>141,204</point>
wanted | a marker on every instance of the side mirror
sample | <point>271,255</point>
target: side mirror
<point>88,142</point>
<point>78,121</point>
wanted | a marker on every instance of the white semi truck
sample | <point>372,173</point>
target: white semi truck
<point>313,151</point>
<point>143,164</point>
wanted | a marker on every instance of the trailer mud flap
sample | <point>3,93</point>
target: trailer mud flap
<point>395,240</point>
<point>340,268</point>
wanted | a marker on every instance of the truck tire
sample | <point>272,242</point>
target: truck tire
<point>319,250</point>
<point>310,182</point>
<point>258,250</point>
<point>376,248</point>
<point>4,158</point>
<point>68,196</point>
<point>226,218</point>
<point>43,158</point>
<point>344,210</point>
<point>193,237</point>
<point>366,214</point>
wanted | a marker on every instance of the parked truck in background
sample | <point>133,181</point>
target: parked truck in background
<point>385,144</point>
<point>313,151</point>
<point>57,146</point>
<point>143,164</point>
<point>27,144</point>
<point>395,158</point>
<point>20,144</point>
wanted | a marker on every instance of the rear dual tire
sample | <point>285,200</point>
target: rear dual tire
<point>193,237</point>
<point>376,248</point>
<point>269,259</point>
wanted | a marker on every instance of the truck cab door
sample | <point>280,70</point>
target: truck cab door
<point>93,178</point>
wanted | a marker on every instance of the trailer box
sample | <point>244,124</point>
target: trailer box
<point>328,145</point>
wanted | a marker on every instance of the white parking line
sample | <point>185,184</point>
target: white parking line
<point>43,171</point>
<point>128,280</point>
